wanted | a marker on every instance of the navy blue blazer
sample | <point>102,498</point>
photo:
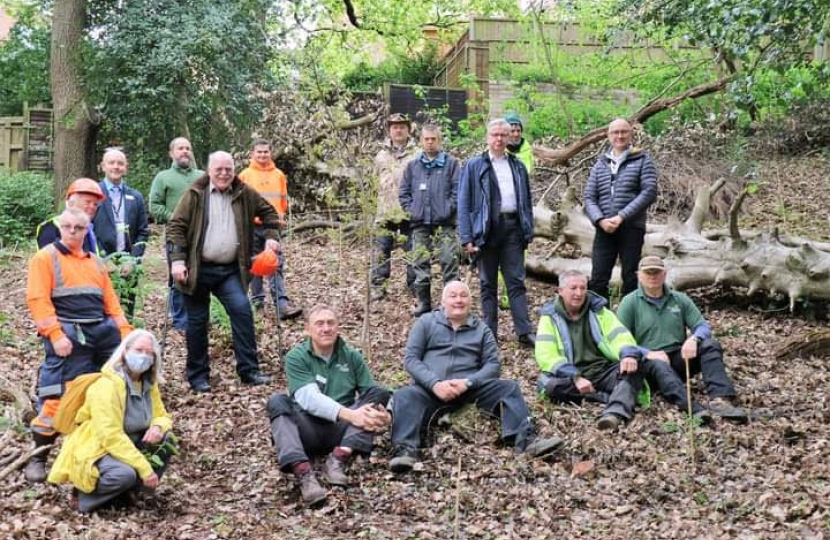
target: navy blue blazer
<point>135,216</point>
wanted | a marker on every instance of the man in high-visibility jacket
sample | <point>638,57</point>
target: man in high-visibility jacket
<point>270,182</point>
<point>84,194</point>
<point>586,353</point>
<point>78,317</point>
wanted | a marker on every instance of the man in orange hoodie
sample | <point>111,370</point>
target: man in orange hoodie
<point>271,183</point>
<point>78,317</point>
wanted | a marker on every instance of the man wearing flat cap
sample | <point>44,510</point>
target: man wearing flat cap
<point>391,220</point>
<point>660,318</point>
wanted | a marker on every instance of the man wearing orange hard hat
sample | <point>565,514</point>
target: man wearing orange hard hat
<point>84,194</point>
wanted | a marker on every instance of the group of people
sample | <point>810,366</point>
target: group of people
<point>218,222</point>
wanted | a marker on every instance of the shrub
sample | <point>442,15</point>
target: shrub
<point>26,200</point>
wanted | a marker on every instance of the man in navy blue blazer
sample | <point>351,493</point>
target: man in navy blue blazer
<point>121,226</point>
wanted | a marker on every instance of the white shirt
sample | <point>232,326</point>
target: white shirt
<point>505,177</point>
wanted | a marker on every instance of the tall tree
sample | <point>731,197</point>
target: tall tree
<point>75,121</point>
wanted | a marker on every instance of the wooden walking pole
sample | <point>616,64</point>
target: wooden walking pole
<point>690,423</point>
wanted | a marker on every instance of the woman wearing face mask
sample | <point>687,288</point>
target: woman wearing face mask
<point>122,416</point>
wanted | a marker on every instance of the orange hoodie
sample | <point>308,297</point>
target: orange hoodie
<point>270,182</point>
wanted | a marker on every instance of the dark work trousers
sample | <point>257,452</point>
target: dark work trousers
<point>414,407</point>
<point>223,281</point>
<point>298,435</point>
<point>116,477</point>
<point>662,378</point>
<point>276,281</point>
<point>504,249</point>
<point>427,240</point>
<point>622,390</point>
<point>709,362</point>
<point>385,242</point>
<point>627,243</point>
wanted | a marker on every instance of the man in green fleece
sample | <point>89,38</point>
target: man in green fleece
<point>165,192</point>
<point>586,353</point>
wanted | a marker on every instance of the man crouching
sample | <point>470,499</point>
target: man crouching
<point>334,406</point>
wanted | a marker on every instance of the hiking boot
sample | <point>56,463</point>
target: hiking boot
<point>724,408</point>
<point>311,490</point>
<point>35,471</point>
<point>334,471</point>
<point>404,460</point>
<point>424,302</point>
<point>535,447</point>
<point>609,422</point>
<point>704,416</point>
<point>289,311</point>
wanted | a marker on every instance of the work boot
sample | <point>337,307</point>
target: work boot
<point>378,293</point>
<point>609,422</point>
<point>35,471</point>
<point>311,490</point>
<point>536,447</point>
<point>723,407</point>
<point>288,311</point>
<point>334,471</point>
<point>422,294</point>
<point>404,459</point>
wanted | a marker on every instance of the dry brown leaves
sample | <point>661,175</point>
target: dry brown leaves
<point>767,480</point>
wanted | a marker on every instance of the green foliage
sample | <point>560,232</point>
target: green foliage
<point>26,200</point>
<point>158,69</point>
<point>418,68</point>
<point>169,446</point>
<point>24,63</point>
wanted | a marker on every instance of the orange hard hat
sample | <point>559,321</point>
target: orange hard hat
<point>265,263</point>
<point>85,185</point>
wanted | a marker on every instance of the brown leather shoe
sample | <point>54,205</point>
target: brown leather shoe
<point>609,422</point>
<point>334,471</point>
<point>311,490</point>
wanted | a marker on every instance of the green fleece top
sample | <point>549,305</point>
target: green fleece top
<point>587,356</point>
<point>659,323</point>
<point>167,188</point>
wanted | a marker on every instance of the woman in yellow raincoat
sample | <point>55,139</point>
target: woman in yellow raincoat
<point>122,415</point>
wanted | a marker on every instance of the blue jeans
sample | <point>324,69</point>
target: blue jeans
<point>506,249</point>
<point>276,281</point>
<point>224,282</point>
<point>177,310</point>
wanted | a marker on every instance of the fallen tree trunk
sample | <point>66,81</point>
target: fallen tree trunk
<point>558,156</point>
<point>758,261</point>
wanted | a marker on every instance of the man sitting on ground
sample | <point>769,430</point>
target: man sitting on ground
<point>453,358</point>
<point>334,406</point>
<point>658,317</point>
<point>586,353</point>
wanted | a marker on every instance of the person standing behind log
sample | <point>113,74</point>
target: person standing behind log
<point>621,186</point>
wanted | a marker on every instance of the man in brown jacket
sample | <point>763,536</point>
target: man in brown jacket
<point>210,235</point>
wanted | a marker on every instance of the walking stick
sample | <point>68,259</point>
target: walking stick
<point>691,434</point>
<point>168,299</point>
<point>279,332</point>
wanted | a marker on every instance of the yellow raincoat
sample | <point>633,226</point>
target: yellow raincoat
<point>101,432</point>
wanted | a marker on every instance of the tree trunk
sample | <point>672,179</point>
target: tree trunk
<point>74,121</point>
<point>797,268</point>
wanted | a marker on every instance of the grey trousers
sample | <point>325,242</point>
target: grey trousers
<point>298,435</point>
<point>114,478</point>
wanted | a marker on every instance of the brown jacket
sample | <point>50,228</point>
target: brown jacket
<point>186,228</point>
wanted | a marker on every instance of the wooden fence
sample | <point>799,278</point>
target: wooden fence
<point>26,140</point>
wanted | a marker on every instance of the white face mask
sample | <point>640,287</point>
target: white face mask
<point>138,362</point>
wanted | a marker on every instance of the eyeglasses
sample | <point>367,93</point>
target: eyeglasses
<point>72,228</point>
<point>499,135</point>
<point>620,132</point>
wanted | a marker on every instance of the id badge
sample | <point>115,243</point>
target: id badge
<point>422,187</point>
